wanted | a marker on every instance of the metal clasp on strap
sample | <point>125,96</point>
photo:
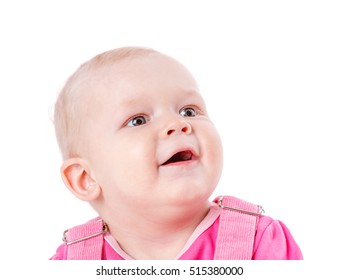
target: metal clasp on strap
<point>259,212</point>
<point>104,230</point>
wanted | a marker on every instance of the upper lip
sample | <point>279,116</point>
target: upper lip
<point>179,154</point>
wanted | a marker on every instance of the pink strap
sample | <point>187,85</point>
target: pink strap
<point>237,229</point>
<point>84,242</point>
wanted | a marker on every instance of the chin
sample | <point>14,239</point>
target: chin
<point>196,194</point>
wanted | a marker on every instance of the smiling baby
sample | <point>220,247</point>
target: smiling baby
<point>138,145</point>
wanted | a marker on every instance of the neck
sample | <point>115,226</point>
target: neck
<point>156,236</point>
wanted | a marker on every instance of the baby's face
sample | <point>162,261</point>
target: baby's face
<point>150,142</point>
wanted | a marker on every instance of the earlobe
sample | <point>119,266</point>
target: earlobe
<point>76,176</point>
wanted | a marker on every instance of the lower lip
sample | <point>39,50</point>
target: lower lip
<point>180,163</point>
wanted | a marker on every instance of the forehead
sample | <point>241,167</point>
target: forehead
<point>143,76</point>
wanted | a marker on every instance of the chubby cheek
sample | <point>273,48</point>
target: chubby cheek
<point>213,151</point>
<point>126,167</point>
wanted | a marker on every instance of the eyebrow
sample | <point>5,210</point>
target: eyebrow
<point>195,96</point>
<point>191,96</point>
<point>124,106</point>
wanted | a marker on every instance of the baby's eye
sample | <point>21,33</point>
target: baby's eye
<point>188,112</point>
<point>136,121</point>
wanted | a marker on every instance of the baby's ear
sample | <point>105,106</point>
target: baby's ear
<point>76,176</point>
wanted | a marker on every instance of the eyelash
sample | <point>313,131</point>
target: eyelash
<point>131,122</point>
<point>135,121</point>
<point>195,111</point>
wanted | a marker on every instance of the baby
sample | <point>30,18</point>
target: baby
<point>139,146</point>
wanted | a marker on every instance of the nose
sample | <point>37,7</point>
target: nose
<point>177,126</point>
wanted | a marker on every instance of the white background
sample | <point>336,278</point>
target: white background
<point>268,71</point>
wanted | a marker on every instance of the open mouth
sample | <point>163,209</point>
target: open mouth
<point>179,157</point>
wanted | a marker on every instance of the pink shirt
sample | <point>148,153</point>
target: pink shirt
<point>273,241</point>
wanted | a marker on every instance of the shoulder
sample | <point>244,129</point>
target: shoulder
<point>274,241</point>
<point>61,253</point>
<point>82,232</point>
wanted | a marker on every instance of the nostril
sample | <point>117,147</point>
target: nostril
<point>170,131</point>
<point>185,129</point>
<point>178,127</point>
